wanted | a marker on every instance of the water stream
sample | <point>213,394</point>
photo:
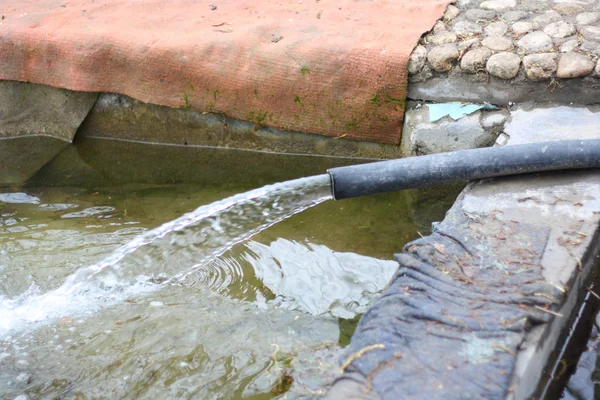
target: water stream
<point>115,284</point>
<point>175,252</point>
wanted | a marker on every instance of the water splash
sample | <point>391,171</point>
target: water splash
<point>167,254</point>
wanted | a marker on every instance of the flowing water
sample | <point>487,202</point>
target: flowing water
<point>128,289</point>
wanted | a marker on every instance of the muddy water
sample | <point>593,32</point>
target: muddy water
<point>108,289</point>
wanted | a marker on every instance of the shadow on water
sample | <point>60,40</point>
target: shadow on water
<point>265,313</point>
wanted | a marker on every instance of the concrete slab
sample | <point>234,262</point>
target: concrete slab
<point>22,157</point>
<point>36,123</point>
<point>29,109</point>
<point>478,309</point>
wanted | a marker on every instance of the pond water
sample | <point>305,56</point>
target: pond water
<point>130,271</point>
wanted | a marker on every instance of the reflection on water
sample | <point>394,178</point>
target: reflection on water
<point>315,280</point>
<point>224,309</point>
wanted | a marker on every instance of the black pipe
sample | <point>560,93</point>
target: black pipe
<point>435,169</point>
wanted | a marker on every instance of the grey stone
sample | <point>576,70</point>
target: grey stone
<point>498,5</point>
<point>417,60</point>
<point>442,38</point>
<point>443,58</point>
<point>466,4</point>
<point>474,60</point>
<point>587,18</point>
<point>466,28</point>
<point>589,46</point>
<point>503,65</point>
<point>491,119</point>
<point>468,44</point>
<point>423,137</point>
<point>476,14</point>
<point>569,45</point>
<point>497,28</point>
<point>546,18</point>
<point>522,27</point>
<point>559,29</point>
<point>540,66</point>
<point>574,65</point>
<point>569,8</point>
<point>498,43</point>
<point>451,13</point>
<point>30,109</point>
<point>590,32</point>
<point>535,42</point>
<point>597,69</point>
<point>534,6</point>
<point>513,16</point>
<point>439,27</point>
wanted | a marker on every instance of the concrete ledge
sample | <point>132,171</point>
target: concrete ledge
<point>121,117</point>
<point>471,88</point>
<point>479,308</point>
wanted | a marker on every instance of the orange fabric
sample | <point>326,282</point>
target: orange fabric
<point>331,67</point>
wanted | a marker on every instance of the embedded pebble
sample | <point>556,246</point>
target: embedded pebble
<point>569,8</point>
<point>416,62</point>
<point>469,43</point>
<point>574,65</point>
<point>569,45</point>
<point>451,13</point>
<point>497,28</point>
<point>513,16</point>
<point>498,5</point>
<point>474,60</point>
<point>504,65</point>
<point>587,18</point>
<point>559,29</point>
<point>498,43</point>
<point>535,42</point>
<point>540,66</point>
<point>476,14</point>
<point>467,28</point>
<point>590,46</point>
<point>590,32</point>
<point>522,27</point>
<point>548,39</point>
<point>442,38</point>
<point>546,18</point>
<point>443,58</point>
<point>439,27</point>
